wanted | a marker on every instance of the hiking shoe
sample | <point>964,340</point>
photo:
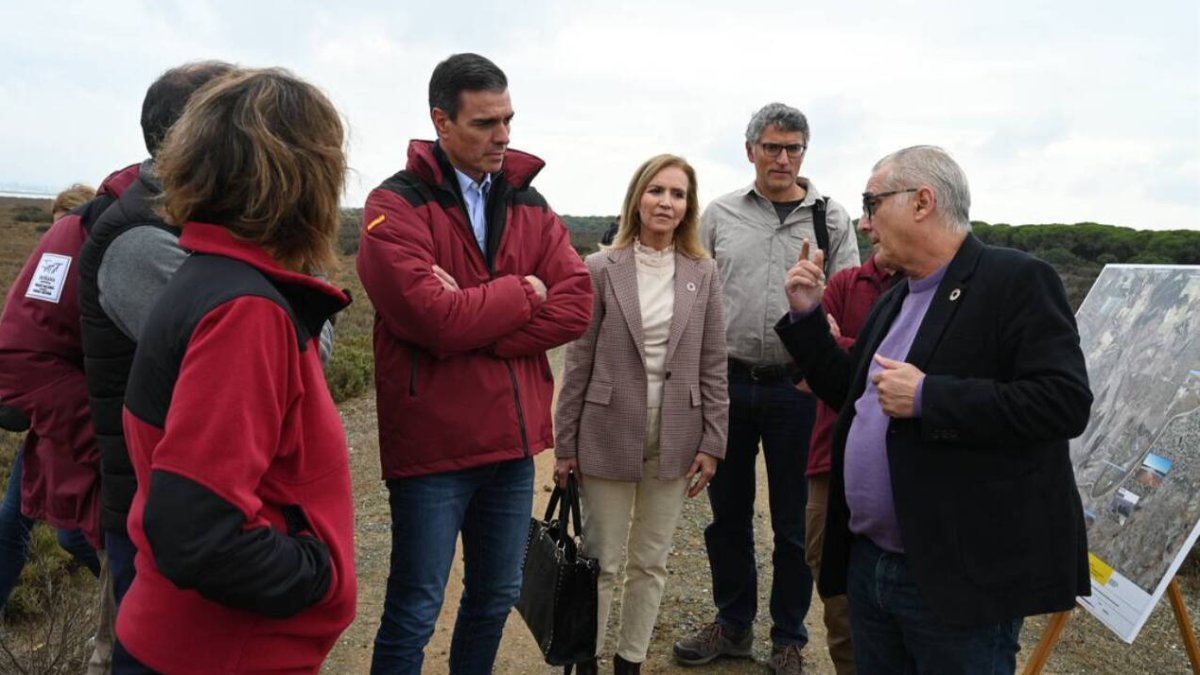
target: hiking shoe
<point>711,641</point>
<point>786,660</point>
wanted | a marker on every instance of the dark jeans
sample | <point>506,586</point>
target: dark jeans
<point>774,412</point>
<point>14,537</point>
<point>893,631</point>
<point>121,552</point>
<point>129,665</point>
<point>491,507</point>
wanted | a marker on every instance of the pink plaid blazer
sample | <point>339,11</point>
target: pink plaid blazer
<point>601,413</point>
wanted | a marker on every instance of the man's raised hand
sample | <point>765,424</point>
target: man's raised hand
<point>805,281</point>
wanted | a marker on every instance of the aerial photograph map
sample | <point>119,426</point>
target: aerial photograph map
<point>1138,463</point>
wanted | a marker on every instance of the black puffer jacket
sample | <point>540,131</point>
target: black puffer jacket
<point>108,351</point>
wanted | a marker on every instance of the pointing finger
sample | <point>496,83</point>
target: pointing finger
<point>804,250</point>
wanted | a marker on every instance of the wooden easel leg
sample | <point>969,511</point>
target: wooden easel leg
<point>1186,630</point>
<point>1045,646</point>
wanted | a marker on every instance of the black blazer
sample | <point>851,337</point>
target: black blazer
<point>985,495</point>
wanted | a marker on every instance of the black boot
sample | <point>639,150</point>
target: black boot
<point>623,667</point>
<point>582,668</point>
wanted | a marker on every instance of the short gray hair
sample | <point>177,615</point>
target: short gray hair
<point>930,165</point>
<point>785,117</point>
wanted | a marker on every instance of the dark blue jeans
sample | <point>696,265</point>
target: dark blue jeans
<point>893,630</point>
<point>121,553</point>
<point>14,537</point>
<point>491,506</point>
<point>779,416</point>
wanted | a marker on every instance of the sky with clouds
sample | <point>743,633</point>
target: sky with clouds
<point>1061,111</point>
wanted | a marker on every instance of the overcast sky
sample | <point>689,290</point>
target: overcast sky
<point>1059,111</point>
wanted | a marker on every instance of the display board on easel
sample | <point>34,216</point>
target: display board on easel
<point>1138,463</point>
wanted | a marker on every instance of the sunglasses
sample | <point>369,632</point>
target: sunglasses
<point>872,200</point>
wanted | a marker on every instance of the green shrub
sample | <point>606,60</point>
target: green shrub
<point>1151,259</point>
<point>348,231</point>
<point>31,214</point>
<point>1058,256</point>
<point>349,373</point>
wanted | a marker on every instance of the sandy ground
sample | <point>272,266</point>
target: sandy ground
<point>1087,647</point>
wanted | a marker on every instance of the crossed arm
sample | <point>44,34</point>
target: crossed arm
<point>511,314</point>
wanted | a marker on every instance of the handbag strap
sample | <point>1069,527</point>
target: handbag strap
<point>567,502</point>
<point>572,502</point>
<point>555,496</point>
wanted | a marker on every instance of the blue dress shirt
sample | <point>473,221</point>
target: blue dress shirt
<point>475,195</point>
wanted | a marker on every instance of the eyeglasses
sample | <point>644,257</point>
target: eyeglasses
<point>794,150</point>
<point>872,200</point>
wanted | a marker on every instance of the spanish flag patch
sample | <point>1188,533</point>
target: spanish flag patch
<point>371,225</point>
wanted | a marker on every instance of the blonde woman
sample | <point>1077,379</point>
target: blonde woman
<point>73,197</point>
<point>642,414</point>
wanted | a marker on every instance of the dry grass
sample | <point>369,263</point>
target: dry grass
<point>51,614</point>
<point>57,639</point>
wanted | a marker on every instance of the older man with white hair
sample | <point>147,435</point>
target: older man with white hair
<point>953,511</point>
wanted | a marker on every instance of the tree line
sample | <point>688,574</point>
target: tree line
<point>1077,251</point>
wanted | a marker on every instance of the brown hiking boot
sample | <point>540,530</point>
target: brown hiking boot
<point>711,641</point>
<point>786,660</point>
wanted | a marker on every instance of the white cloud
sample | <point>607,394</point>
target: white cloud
<point>1064,111</point>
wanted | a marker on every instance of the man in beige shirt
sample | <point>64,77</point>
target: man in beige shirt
<point>755,234</point>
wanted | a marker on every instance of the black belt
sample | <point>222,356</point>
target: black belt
<point>762,373</point>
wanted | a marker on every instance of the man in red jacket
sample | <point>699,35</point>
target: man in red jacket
<point>473,278</point>
<point>847,301</point>
<point>41,375</point>
<point>41,372</point>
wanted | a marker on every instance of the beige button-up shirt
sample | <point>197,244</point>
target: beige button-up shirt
<point>754,252</point>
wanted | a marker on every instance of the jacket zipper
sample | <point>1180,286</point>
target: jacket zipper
<point>412,373</point>
<point>520,415</point>
<point>490,205</point>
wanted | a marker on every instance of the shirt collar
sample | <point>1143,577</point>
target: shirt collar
<point>811,195</point>
<point>465,182</point>
<point>928,283</point>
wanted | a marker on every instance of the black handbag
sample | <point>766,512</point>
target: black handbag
<point>558,593</point>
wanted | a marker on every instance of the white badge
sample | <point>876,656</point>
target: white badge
<point>49,278</point>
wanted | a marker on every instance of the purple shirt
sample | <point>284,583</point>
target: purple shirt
<point>867,475</point>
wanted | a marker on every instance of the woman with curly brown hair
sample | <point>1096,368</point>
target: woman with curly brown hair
<point>243,517</point>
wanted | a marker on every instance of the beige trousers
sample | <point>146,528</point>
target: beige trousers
<point>640,517</point>
<point>837,609</point>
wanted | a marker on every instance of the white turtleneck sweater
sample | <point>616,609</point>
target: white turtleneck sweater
<point>656,294</point>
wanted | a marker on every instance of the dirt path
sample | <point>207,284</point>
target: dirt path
<point>1087,647</point>
<point>687,603</point>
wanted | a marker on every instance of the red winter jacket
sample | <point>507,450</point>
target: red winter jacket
<point>242,518</point>
<point>41,373</point>
<point>461,377</point>
<point>848,298</point>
